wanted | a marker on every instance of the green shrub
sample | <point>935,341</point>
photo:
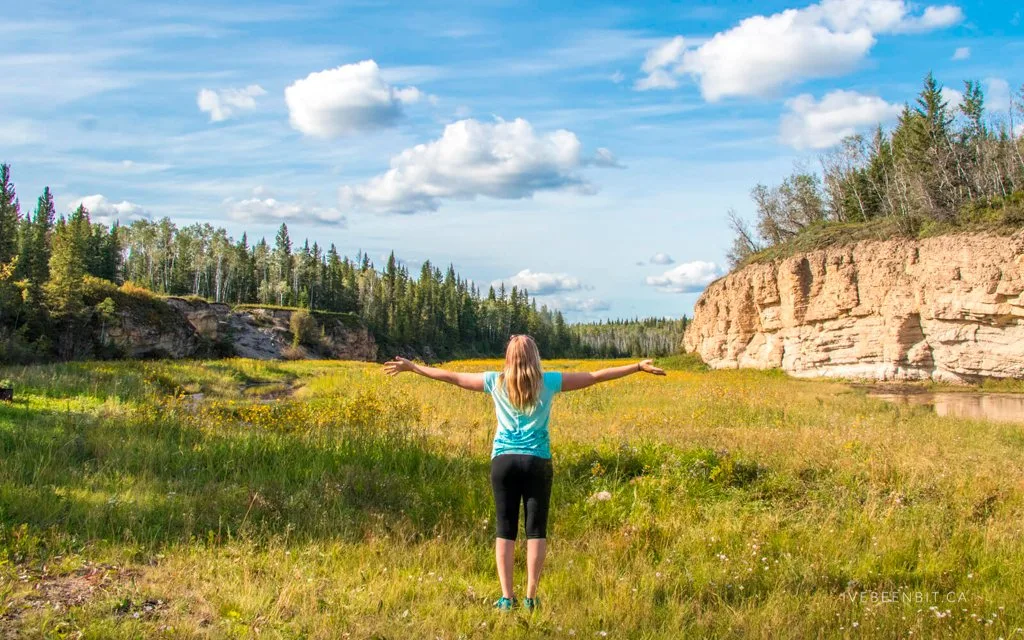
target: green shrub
<point>305,331</point>
<point>681,362</point>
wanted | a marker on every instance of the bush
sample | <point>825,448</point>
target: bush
<point>14,349</point>
<point>132,289</point>
<point>681,362</point>
<point>305,331</point>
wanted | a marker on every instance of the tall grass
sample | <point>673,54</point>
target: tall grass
<point>743,503</point>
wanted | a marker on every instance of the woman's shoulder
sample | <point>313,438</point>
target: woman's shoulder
<point>490,377</point>
<point>553,380</point>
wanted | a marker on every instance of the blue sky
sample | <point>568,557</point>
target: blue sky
<point>587,151</point>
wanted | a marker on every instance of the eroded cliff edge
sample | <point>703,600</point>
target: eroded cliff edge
<point>948,308</point>
<point>189,327</point>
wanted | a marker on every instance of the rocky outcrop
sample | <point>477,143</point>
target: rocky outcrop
<point>265,334</point>
<point>185,327</point>
<point>150,335</point>
<point>949,308</point>
<point>206,318</point>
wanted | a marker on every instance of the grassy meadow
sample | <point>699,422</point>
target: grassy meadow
<point>237,498</point>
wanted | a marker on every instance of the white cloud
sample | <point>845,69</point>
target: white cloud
<point>617,77</point>
<point>962,53</point>
<point>221,104</point>
<point>105,211</point>
<point>764,53</point>
<point>664,55</point>
<point>813,124</point>
<point>502,159</point>
<point>346,100</point>
<point>661,258</point>
<point>263,207</point>
<point>580,305</point>
<point>933,18</point>
<point>657,79</point>
<point>688,277</point>
<point>540,283</point>
<point>997,95</point>
<point>952,97</point>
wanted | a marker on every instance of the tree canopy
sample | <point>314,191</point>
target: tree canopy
<point>941,166</point>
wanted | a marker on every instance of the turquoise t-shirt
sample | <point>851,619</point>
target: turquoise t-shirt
<point>520,432</point>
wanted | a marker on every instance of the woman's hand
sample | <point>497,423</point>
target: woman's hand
<point>648,366</point>
<point>397,366</point>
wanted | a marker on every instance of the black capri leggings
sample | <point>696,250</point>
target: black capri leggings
<point>519,478</point>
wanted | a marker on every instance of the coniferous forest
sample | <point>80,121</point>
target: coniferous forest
<point>54,270</point>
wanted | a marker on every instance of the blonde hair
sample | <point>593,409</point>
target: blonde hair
<point>522,377</point>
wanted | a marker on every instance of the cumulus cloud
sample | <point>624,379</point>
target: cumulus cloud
<point>952,97</point>
<point>688,277</point>
<point>346,100</point>
<point>221,104</point>
<point>105,211</point>
<point>539,283</point>
<point>962,53</point>
<point>501,159</point>
<point>262,207</point>
<point>661,258</point>
<point>935,17</point>
<point>813,124</point>
<point>764,53</point>
<point>581,305</point>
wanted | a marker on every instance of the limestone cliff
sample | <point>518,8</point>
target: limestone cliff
<point>948,308</point>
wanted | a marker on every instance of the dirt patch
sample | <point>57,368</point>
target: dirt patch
<point>257,391</point>
<point>56,593</point>
<point>267,391</point>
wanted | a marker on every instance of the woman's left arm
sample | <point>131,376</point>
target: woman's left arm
<point>468,381</point>
<point>575,380</point>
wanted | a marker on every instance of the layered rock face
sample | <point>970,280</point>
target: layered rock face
<point>191,325</point>
<point>949,308</point>
<point>145,336</point>
<point>265,334</point>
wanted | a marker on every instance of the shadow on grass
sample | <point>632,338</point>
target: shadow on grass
<point>75,478</point>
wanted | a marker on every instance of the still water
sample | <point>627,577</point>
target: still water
<point>1004,407</point>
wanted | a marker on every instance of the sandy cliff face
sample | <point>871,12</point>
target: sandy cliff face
<point>949,308</point>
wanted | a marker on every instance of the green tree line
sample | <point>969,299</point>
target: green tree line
<point>940,166</point>
<point>48,262</point>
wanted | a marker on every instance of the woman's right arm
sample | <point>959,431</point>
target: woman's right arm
<point>468,381</point>
<point>574,380</point>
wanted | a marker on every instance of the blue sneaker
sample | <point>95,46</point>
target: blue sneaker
<point>505,604</point>
<point>531,604</point>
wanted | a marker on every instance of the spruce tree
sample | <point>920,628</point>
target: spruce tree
<point>10,216</point>
<point>35,250</point>
<point>111,251</point>
<point>67,266</point>
<point>283,262</point>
